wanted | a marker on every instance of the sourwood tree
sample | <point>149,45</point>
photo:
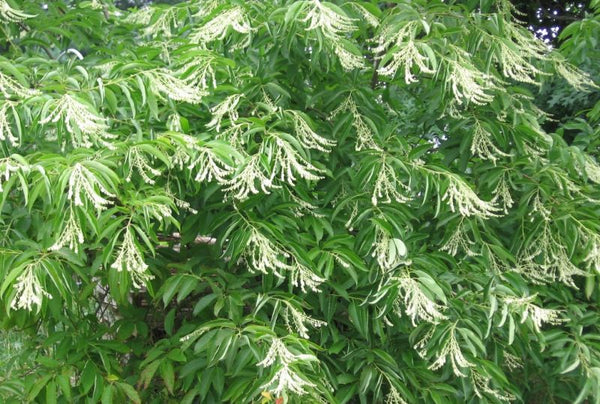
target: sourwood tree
<point>297,201</point>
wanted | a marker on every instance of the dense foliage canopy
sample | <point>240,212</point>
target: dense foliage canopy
<point>298,201</point>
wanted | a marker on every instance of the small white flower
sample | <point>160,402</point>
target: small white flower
<point>83,182</point>
<point>538,315</point>
<point>364,135</point>
<point>287,161</point>
<point>9,86</point>
<point>296,321</point>
<point>416,303</point>
<point>216,29</point>
<point>264,256</point>
<point>6,132</point>
<point>211,167</point>
<point>226,107</point>
<point>130,259</point>
<point>71,236</point>
<point>387,250</point>
<point>138,160</point>
<point>481,384</point>
<point>162,81</point>
<point>11,14</point>
<point>242,184</point>
<point>84,125</point>
<point>407,56</point>
<point>29,290</point>
<point>462,198</point>
<point>467,82</point>
<point>387,185</point>
<point>308,137</point>
<point>287,379</point>
<point>451,350</point>
<point>8,166</point>
<point>482,144</point>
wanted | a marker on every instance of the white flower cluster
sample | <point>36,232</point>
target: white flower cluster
<point>577,78</point>
<point>84,125</point>
<point>394,397</point>
<point>512,361</point>
<point>459,240</point>
<point>244,183</point>
<point>591,239</point>
<point>481,384</point>
<point>407,56</point>
<point>130,259</point>
<point>285,379</point>
<point>162,82</point>
<point>211,167</point>
<point>515,66</point>
<point>83,181</point>
<point>9,165</point>
<point>334,26</point>
<point>387,185</point>
<point>217,28</point>
<point>267,257</point>
<point>537,314</point>
<point>462,198</point>
<point>308,137</point>
<point>6,132</point>
<point>468,83</point>
<point>450,349</point>
<point>28,289</point>
<point>482,144</point>
<point>226,107</point>
<point>143,16</point>
<point>163,24</point>
<point>388,251</point>
<point>286,161</point>
<point>349,60</point>
<point>368,17</point>
<point>592,169</point>
<point>264,255</point>
<point>207,7</point>
<point>364,135</point>
<point>330,22</point>
<point>198,71</point>
<point>304,278</point>
<point>392,35</point>
<point>156,210</point>
<point>296,320</point>
<point>71,236</point>
<point>417,304</point>
<point>137,160</point>
<point>10,87</point>
<point>545,259</point>
<point>502,193</point>
<point>11,14</point>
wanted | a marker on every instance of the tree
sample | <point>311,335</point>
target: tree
<point>296,201</point>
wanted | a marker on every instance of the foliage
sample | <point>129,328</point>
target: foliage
<point>295,201</point>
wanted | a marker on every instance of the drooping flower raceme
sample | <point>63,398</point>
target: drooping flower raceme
<point>85,126</point>
<point>286,378</point>
<point>226,107</point>
<point>12,14</point>
<point>82,182</point>
<point>217,28</point>
<point>416,303</point>
<point>163,82</point>
<point>334,26</point>
<point>130,259</point>
<point>71,236</point>
<point>28,289</point>
<point>10,87</point>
